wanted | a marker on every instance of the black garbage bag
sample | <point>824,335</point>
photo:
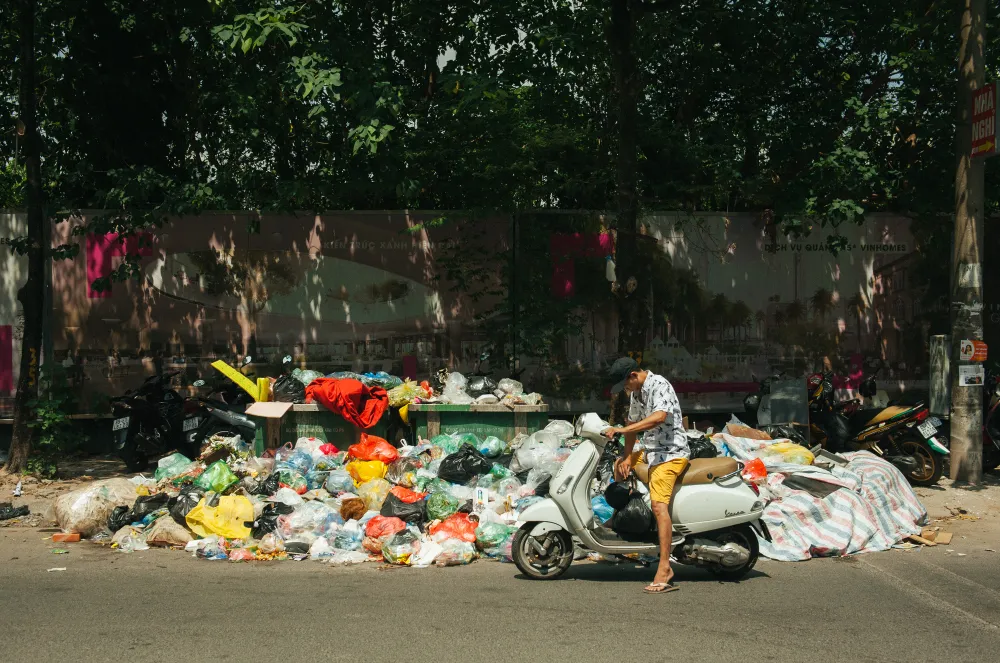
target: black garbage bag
<point>617,494</point>
<point>8,511</point>
<point>267,522</point>
<point>264,486</point>
<point>119,518</point>
<point>634,518</point>
<point>479,385</point>
<point>288,390</point>
<point>146,505</point>
<point>702,447</point>
<point>542,489</point>
<point>790,433</point>
<point>183,503</point>
<point>393,507</point>
<point>463,465</point>
<point>606,465</point>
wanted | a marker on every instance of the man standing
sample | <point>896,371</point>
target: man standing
<point>655,413</point>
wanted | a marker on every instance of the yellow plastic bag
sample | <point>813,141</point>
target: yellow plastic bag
<point>404,393</point>
<point>366,470</point>
<point>792,453</point>
<point>229,519</point>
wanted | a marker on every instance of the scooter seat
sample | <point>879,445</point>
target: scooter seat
<point>699,470</point>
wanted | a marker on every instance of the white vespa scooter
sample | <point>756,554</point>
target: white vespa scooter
<point>715,514</point>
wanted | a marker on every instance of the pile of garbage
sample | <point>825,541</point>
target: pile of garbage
<point>444,501</point>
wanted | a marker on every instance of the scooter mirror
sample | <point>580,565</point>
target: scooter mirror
<point>287,359</point>
<point>247,360</point>
<point>198,383</point>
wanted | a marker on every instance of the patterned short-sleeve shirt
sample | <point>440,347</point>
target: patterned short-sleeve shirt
<point>667,441</point>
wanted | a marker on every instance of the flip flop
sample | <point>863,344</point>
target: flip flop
<point>660,588</point>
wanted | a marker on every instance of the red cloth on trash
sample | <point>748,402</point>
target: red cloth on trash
<point>361,405</point>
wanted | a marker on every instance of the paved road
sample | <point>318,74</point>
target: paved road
<point>166,605</point>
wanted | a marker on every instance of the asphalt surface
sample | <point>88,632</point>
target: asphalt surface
<point>166,605</point>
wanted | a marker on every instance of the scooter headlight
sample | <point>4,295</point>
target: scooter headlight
<point>757,506</point>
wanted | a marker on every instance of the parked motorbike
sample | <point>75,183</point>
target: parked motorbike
<point>905,435</point>
<point>219,413</point>
<point>991,421</point>
<point>716,516</point>
<point>149,422</point>
<point>754,404</point>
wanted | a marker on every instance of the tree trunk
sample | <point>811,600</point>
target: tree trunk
<point>966,278</point>
<point>629,267</point>
<point>31,293</point>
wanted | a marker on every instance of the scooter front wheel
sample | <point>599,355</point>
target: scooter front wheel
<point>544,557</point>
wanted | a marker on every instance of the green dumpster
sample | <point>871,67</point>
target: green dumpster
<point>430,419</point>
<point>314,420</point>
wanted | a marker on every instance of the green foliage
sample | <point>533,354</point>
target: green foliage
<point>54,433</point>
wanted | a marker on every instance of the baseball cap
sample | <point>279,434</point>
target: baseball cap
<point>619,372</point>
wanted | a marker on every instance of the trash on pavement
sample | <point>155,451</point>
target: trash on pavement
<point>86,510</point>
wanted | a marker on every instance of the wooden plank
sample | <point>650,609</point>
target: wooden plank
<point>944,538</point>
<point>921,540</point>
<point>520,422</point>
<point>433,424</point>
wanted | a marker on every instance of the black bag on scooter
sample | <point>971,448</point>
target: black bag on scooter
<point>634,518</point>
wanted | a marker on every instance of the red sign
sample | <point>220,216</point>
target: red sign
<point>984,121</point>
<point>972,351</point>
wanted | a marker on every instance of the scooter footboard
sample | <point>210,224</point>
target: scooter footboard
<point>547,516</point>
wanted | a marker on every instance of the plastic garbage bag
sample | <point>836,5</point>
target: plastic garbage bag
<point>129,539</point>
<point>328,462</point>
<point>383,526</point>
<point>509,487</point>
<point>314,517</point>
<point>372,447</point>
<point>755,471</point>
<point>492,447</point>
<point>440,505</point>
<point>217,478</point>
<point>267,521</point>
<point>425,557</point>
<point>172,466</point>
<point>455,389</point>
<point>561,428</point>
<point>349,537</point>
<point>230,519</point>
<point>119,518</point>
<point>479,385</point>
<point>316,479</point>
<point>791,453</point>
<point>293,481</point>
<point>167,533</point>
<point>287,389</point>
<point>602,510</point>
<point>287,496</point>
<point>399,548</point>
<point>464,464</point>
<point>271,544</point>
<point>366,470</point>
<point>266,485</point>
<point>347,557</point>
<point>407,495</point>
<point>299,461</point>
<point>321,549</point>
<point>455,553</point>
<point>491,535</point>
<point>455,526</point>
<point>339,481</point>
<point>411,512</point>
<point>403,471</point>
<point>510,386</point>
<point>373,492</point>
<point>634,518</point>
<point>184,502</point>
<point>702,447</point>
<point>404,393</point>
<point>86,510</point>
<point>305,377</point>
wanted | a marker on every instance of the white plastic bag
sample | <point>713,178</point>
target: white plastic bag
<point>510,386</point>
<point>86,509</point>
<point>426,555</point>
<point>454,389</point>
<point>561,428</point>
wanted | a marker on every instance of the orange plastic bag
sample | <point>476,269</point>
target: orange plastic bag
<point>406,495</point>
<point>372,447</point>
<point>456,526</point>
<point>381,526</point>
<point>755,470</point>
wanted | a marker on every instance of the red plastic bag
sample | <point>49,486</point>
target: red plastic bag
<point>372,447</point>
<point>380,526</point>
<point>407,495</point>
<point>328,449</point>
<point>456,526</point>
<point>755,471</point>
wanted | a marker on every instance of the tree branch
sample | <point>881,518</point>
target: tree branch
<point>658,6</point>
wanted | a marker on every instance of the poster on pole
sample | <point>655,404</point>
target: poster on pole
<point>984,121</point>
<point>971,350</point>
<point>971,376</point>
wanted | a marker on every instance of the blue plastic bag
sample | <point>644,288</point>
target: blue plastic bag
<point>602,510</point>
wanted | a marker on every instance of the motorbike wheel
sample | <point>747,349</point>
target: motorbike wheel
<point>931,462</point>
<point>133,456</point>
<point>554,559</point>
<point>742,535</point>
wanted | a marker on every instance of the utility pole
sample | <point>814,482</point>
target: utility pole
<point>967,275</point>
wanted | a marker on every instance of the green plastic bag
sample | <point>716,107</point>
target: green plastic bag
<point>492,535</point>
<point>441,505</point>
<point>447,443</point>
<point>217,477</point>
<point>467,438</point>
<point>171,466</point>
<point>492,447</point>
<point>500,472</point>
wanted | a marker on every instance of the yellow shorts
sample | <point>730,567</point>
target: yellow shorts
<point>662,477</point>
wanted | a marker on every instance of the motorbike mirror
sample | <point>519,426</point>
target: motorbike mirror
<point>247,360</point>
<point>198,383</point>
<point>287,359</point>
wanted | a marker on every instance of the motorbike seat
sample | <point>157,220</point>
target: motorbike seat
<point>699,471</point>
<point>862,418</point>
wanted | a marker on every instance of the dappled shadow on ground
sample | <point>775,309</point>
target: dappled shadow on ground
<point>632,572</point>
<point>93,467</point>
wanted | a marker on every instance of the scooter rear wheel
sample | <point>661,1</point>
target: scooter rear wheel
<point>741,535</point>
<point>554,559</point>
<point>931,462</point>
